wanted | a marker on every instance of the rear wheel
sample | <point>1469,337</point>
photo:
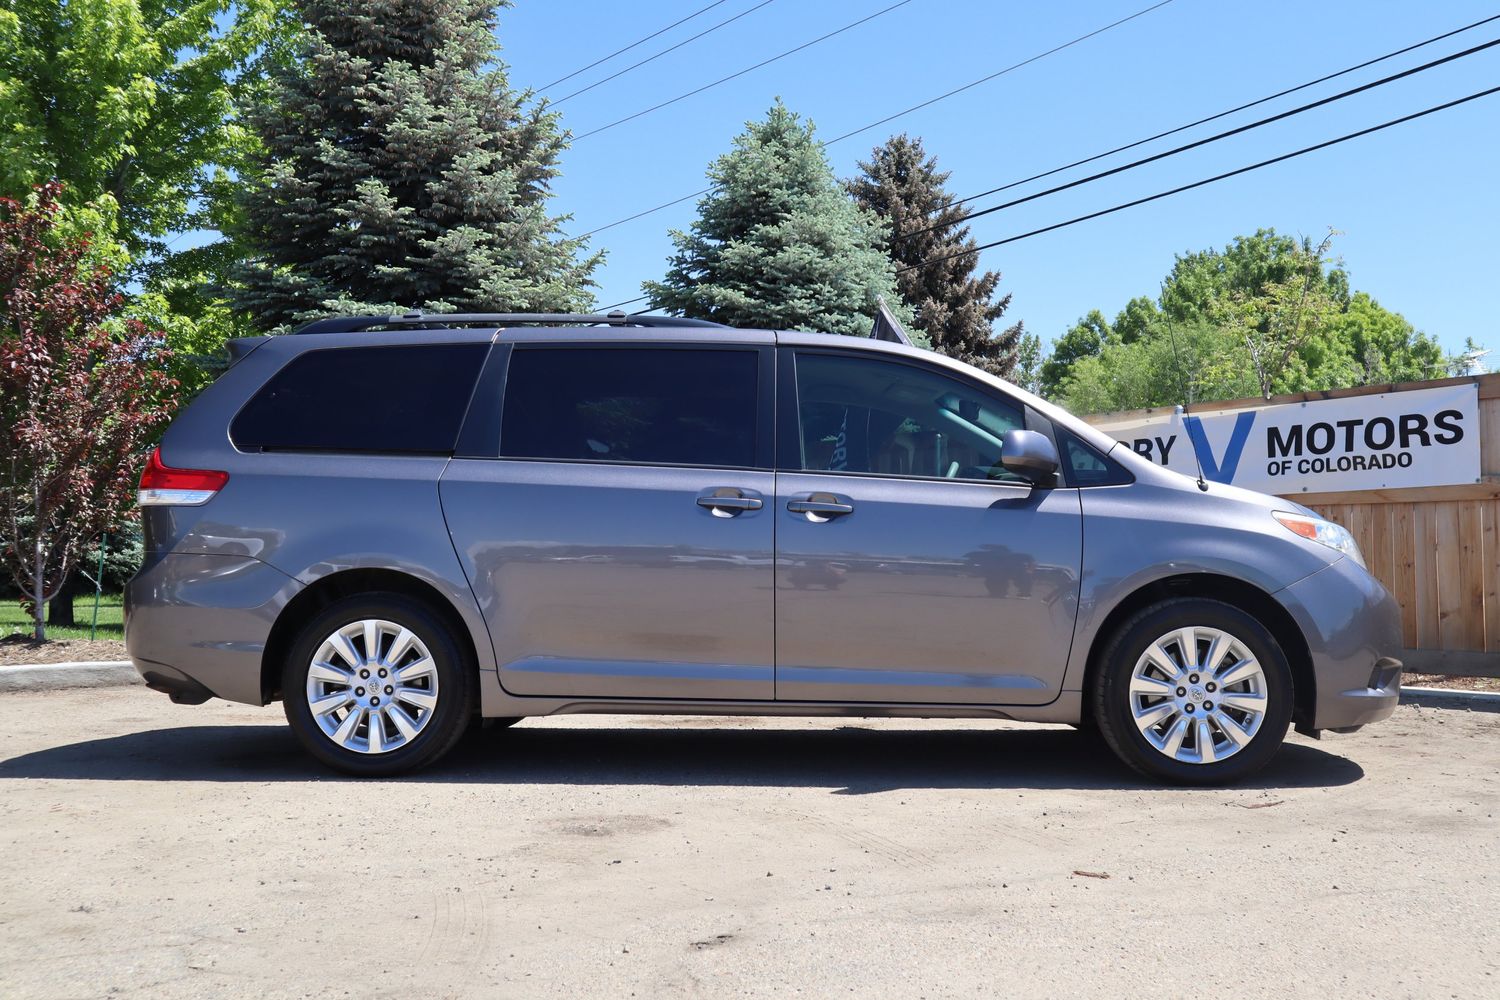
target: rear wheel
<point>1193,691</point>
<point>376,685</point>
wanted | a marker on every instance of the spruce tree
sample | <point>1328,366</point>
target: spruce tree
<point>401,171</point>
<point>777,242</point>
<point>956,309</point>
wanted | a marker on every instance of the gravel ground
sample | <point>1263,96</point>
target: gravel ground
<point>1445,681</point>
<point>18,649</point>
<point>158,851</point>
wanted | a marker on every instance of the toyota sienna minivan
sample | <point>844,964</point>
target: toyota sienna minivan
<point>396,525</point>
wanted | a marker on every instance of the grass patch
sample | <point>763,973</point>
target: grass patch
<point>111,619</point>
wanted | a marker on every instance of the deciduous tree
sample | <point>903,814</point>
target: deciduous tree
<point>131,104</point>
<point>1084,339</point>
<point>1267,314</point>
<point>1028,370</point>
<point>81,393</point>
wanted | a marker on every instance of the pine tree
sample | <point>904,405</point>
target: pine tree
<point>902,185</point>
<point>401,171</point>
<point>777,242</point>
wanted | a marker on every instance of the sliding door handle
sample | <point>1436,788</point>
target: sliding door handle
<point>726,501</point>
<point>821,506</point>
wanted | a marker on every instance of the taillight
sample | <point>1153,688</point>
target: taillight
<point>162,485</point>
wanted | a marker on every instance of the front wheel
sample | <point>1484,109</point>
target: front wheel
<point>376,685</point>
<point>1193,691</point>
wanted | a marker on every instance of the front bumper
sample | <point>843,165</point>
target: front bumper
<point>1352,626</point>
<point>196,624</point>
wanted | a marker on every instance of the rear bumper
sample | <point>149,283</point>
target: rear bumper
<point>1353,631</point>
<point>196,624</point>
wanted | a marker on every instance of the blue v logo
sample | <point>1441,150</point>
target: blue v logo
<point>1211,468</point>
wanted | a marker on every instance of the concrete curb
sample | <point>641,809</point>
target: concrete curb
<point>1486,700</point>
<point>77,674</point>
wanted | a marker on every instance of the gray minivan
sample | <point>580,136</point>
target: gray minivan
<point>396,525</point>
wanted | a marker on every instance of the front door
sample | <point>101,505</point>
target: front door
<point>620,544</point>
<point>910,566</point>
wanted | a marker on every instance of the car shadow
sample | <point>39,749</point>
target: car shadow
<point>849,760</point>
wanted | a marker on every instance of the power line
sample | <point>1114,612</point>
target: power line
<point>1209,180</point>
<point>1098,156</point>
<point>1205,141</point>
<point>670,48</point>
<point>638,41</point>
<point>649,211</point>
<point>1216,117</point>
<point>1160,135</point>
<point>1051,51</point>
<point>747,69</point>
<point>987,79</point>
<point>1196,184</point>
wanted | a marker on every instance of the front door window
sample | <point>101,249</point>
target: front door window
<point>873,417</point>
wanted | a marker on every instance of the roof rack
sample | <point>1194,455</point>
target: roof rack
<point>441,321</point>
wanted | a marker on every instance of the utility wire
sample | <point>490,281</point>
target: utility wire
<point>1206,181</point>
<point>1118,149</point>
<point>646,212</point>
<point>1098,156</point>
<point>747,69</point>
<point>1054,49</point>
<point>1215,117</point>
<point>670,48</point>
<point>638,41</point>
<point>1205,141</point>
<point>1185,187</point>
<point>999,73</point>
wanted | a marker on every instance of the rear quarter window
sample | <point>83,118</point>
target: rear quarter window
<point>404,399</point>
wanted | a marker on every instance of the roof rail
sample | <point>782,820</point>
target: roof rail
<point>357,324</point>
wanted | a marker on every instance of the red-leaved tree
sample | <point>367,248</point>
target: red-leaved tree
<point>82,391</point>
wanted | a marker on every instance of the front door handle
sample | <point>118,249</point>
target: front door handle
<point>821,506</point>
<point>726,501</point>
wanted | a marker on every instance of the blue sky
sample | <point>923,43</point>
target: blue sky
<point>1417,203</point>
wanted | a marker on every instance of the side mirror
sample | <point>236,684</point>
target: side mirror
<point>1029,455</point>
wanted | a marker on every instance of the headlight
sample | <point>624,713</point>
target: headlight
<point>1335,536</point>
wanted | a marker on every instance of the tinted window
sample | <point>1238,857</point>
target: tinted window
<point>662,406</point>
<point>871,416</point>
<point>370,399</point>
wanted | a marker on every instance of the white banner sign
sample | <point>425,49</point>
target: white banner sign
<point>1422,437</point>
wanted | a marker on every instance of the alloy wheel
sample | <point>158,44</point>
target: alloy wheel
<point>1198,695</point>
<point>372,686</point>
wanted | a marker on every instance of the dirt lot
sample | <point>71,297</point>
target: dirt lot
<point>158,851</point>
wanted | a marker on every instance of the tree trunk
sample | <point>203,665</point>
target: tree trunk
<point>60,609</point>
<point>38,576</point>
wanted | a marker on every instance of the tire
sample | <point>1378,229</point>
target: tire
<point>1154,715</point>
<point>434,704</point>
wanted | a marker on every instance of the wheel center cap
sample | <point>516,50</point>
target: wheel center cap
<point>1198,694</point>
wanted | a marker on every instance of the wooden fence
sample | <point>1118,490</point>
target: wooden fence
<point>1437,548</point>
